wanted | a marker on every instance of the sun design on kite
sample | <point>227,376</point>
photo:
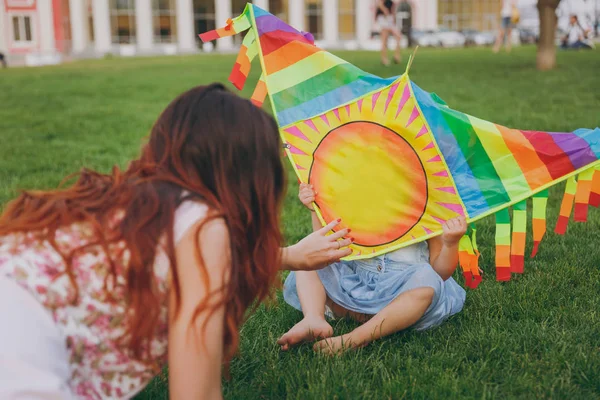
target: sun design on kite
<point>375,165</point>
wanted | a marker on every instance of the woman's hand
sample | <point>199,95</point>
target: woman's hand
<point>307,195</point>
<point>317,250</point>
<point>453,230</point>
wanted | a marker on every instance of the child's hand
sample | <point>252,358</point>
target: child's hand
<point>454,230</point>
<point>307,195</point>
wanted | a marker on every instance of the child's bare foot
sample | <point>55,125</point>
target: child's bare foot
<point>308,329</point>
<point>338,345</point>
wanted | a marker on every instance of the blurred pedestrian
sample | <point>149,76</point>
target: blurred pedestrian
<point>576,36</point>
<point>3,60</point>
<point>385,17</point>
<point>509,15</point>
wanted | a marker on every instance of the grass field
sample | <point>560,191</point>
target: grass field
<point>537,336</point>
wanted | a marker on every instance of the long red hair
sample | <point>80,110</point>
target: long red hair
<point>208,145</point>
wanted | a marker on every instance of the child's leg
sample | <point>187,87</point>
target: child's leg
<point>312,298</point>
<point>341,312</point>
<point>403,312</point>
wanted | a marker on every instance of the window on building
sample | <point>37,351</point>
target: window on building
<point>469,14</point>
<point>204,17</point>
<point>122,21</point>
<point>314,18</point>
<point>404,18</point>
<point>64,38</point>
<point>237,7</point>
<point>346,20</point>
<point>90,17</point>
<point>27,25</point>
<point>16,29</point>
<point>490,15</point>
<point>164,16</point>
<point>490,22</point>
<point>279,8</point>
<point>21,29</point>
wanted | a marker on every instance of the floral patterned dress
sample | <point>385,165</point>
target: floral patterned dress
<point>100,368</point>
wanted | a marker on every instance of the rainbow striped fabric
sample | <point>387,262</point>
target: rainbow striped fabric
<point>303,80</point>
<point>395,162</point>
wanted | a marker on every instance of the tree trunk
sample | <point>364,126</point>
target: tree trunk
<point>546,52</point>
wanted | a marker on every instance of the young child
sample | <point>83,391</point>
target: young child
<point>410,287</point>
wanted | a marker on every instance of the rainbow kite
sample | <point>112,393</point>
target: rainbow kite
<point>394,162</point>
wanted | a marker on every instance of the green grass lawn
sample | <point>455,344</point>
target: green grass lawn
<point>537,336</point>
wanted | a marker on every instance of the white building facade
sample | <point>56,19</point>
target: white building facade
<point>46,29</point>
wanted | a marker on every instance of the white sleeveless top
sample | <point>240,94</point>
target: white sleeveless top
<point>506,10</point>
<point>73,351</point>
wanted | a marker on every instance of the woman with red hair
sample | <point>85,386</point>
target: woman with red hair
<point>107,281</point>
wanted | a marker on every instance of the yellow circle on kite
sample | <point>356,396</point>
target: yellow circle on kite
<point>372,178</point>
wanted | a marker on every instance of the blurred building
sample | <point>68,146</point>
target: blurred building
<point>45,31</point>
<point>484,15</point>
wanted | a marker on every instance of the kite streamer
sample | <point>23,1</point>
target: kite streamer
<point>394,162</point>
<point>519,232</point>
